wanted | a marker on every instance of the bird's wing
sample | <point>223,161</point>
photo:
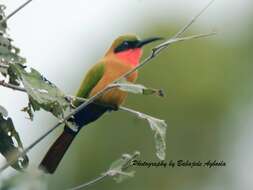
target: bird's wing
<point>84,116</point>
<point>90,80</point>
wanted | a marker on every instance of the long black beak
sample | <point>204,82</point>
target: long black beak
<point>147,41</point>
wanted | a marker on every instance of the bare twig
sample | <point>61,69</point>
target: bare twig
<point>110,172</point>
<point>180,32</point>
<point>15,11</point>
<point>122,108</point>
<point>167,43</point>
<point>136,113</point>
<point>4,66</point>
<point>14,87</point>
<point>89,183</point>
<point>11,86</point>
<point>154,53</point>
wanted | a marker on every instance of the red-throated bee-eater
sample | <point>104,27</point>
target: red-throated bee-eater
<point>123,55</point>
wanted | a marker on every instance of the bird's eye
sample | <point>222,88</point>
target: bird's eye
<point>125,44</point>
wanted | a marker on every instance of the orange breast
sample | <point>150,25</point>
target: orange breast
<point>113,70</point>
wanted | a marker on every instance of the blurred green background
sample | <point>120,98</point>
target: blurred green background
<point>202,80</point>
<point>208,86</point>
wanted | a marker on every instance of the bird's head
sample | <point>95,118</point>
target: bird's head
<point>128,48</point>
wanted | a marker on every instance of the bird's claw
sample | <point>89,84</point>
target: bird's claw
<point>114,108</point>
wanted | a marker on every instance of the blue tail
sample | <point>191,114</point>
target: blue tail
<point>89,114</point>
<point>56,152</point>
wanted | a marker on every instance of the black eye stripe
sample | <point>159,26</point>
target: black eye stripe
<point>125,45</point>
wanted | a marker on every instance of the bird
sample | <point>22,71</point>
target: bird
<point>123,55</point>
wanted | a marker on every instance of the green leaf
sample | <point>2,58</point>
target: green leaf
<point>3,26</point>
<point>118,168</point>
<point>124,85</point>
<point>9,54</point>
<point>3,111</point>
<point>159,127</point>
<point>10,144</point>
<point>13,77</point>
<point>42,93</point>
<point>25,181</point>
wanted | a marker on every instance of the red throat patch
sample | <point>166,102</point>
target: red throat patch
<point>131,56</point>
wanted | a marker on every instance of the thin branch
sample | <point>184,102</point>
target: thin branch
<point>167,43</point>
<point>89,183</point>
<point>21,154</point>
<point>187,26</point>
<point>4,66</point>
<point>110,172</point>
<point>14,87</point>
<point>11,86</point>
<point>15,11</point>
<point>129,110</point>
<point>183,30</point>
<point>122,108</point>
<point>154,53</point>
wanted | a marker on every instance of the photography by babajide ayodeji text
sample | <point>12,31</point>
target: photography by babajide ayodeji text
<point>179,164</point>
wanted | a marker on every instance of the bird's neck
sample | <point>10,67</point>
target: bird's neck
<point>131,57</point>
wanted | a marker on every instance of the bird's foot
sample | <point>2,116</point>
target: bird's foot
<point>113,108</point>
<point>71,102</point>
